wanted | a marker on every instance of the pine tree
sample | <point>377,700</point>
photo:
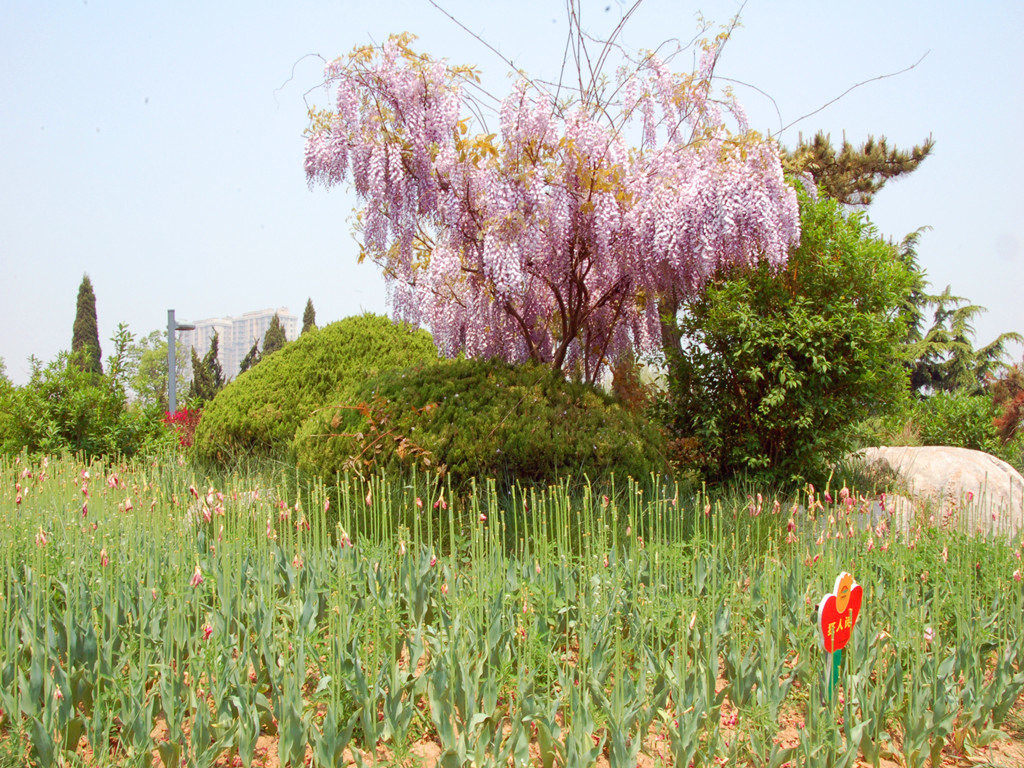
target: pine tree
<point>251,357</point>
<point>853,175</point>
<point>309,317</point>
<point>274,338</point>
<point>85,338</point>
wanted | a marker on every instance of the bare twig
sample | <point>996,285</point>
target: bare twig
<point>852,88</point>
<point>292,75</point>
<point>495,51</point>
<point>755,88</point>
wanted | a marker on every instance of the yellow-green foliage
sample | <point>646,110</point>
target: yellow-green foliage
<point>480,419</point>
<point>257,414</point>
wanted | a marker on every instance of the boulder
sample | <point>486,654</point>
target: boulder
<point>958,486</point>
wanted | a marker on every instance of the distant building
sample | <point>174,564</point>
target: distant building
<point>237,334</point>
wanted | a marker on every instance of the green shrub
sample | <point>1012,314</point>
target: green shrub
<point>776,366</point>
<point>257,414</point>
<point>480,419</point>
<point>64,408</point>
<point>948,418</point>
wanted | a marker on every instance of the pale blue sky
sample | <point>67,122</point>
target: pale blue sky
<point>158,145</point>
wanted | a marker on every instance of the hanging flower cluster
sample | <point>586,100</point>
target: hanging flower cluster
<point>553,239</point>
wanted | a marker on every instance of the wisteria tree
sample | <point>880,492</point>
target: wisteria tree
<point>568,234</point>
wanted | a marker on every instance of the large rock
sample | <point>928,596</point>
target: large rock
<point>967,488</point>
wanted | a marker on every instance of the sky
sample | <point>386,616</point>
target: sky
<point>158,146</point>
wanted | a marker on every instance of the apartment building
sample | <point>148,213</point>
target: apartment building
<point>236,335</point>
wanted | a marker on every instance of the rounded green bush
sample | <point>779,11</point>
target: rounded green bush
<point>258,413</point>
<point>480,419</point>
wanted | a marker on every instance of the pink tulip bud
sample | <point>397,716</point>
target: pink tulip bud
<point>207,631</point>
<point>104,559</point>
<point>197,577</point>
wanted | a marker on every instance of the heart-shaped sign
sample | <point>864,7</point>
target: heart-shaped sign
<point>838,611</point>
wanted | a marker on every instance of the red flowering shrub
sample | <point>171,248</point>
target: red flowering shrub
<point>184,422</point>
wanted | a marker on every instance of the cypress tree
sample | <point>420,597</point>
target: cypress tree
<point>274,338</point>
<point>212,365</point>
<point>200,388</point>
<point>207,374</point>
<point>309,317</point>
<point>251,357</point>
<point>85,337</point>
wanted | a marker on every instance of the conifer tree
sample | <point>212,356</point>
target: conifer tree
<point>251,357</point>
<point>200,387</point>
<point>942,357</point>
<point>212,363</point>
<point>274,338</point>
<point>309,317</point>
<point>207,374</point>
<point>85,338</point>
<point>853,175</point>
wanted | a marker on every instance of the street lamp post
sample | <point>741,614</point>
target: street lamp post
<point>172,370</point>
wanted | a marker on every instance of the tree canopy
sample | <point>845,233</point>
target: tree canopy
<point>85,338</point>
<point>274,338</point>
<point>308,317</point>
<point>251,357</point>
<point>853,175</point>
<point>554,238</point>
<point>777,364</point>
<point>207,374</point>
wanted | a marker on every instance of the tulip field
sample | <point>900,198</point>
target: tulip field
<point>153,616</point>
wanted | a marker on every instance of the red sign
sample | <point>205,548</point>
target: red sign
<point>837,613</point>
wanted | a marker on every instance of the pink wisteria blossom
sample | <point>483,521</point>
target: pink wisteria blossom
<point>552,239</point>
